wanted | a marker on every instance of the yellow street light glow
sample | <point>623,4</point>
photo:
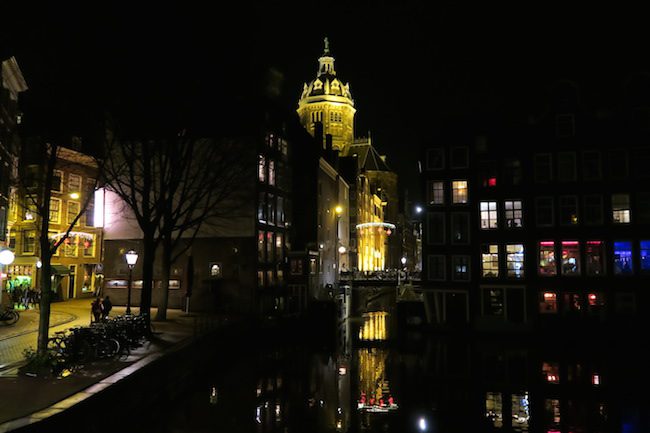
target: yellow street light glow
<point>74,195</point>
<point>338,209</point>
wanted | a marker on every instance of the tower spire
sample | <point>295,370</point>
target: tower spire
<point>326,51</point>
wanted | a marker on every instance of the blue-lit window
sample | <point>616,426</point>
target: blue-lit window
<point>645,256</point>
<point>623,258</point>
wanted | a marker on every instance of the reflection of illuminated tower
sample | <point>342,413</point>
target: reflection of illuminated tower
<point>327,100</point>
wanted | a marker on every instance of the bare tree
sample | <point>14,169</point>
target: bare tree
<point>174,187</point>
<point>207,185</point>
<point>38,164</point>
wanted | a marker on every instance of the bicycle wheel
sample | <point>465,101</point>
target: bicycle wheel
<point>13,317</point>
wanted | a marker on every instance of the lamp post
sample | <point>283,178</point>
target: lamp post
<point>339,211</point>
<point>131,259</point>
<point>6,258</point>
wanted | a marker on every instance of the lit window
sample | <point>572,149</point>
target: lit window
<point>513,213</point>
<point>55,210</point>
<point>278,247</point>
<point>551,371</point>
<point>621,208</point>
<point>493,302</point>
<point>459,192</point>
<point>594,256</point>
<point>547,263</point>
<point>88,246</point>
<point>436,193</point>
<point>622,258</point>
<point>548,303</point>
<point>568,210</point>
<point>74,183</point>
<point>460,266</point>
<point>595,303</point>
<point>261,168</point>
<point>515,260</point>
<point>570,258</point>
<point>74,207</point>
<point>261,207</point>
<point>645,255</point>
<point>488,215</point>
<point>271,172</point>
<point>490,261</point>
<point>269,247</point>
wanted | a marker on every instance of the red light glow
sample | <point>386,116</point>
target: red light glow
<point>492,181</point>
<point>569,242</point>
<point>594,242</point>
<point>547,243</point>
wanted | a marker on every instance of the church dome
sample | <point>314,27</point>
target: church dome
<point>326,84</point>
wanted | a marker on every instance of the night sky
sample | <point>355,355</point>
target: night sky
<point>406,62</point>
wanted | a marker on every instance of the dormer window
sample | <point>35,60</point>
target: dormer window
<point>318,85</point>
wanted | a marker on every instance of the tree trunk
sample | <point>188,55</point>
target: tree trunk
<point>149,255</point>
<point>164,285</point>
<point>46,290</point>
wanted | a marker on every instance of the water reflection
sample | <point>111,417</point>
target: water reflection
<point>416,384</point>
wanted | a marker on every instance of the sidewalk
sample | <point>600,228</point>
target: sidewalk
<point>33,399</point>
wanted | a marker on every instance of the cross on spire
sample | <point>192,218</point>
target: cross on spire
<point>327,46</point>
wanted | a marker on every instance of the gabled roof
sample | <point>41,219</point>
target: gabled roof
<point>368,157</point>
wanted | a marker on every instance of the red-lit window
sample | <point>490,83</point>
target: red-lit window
<point>551,371</point>
<point>548,303</point>
<point>570,258</point>
<point>594,258</point>
<point>492,181</point>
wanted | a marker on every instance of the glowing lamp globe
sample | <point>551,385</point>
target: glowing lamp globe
<point>6,257</point>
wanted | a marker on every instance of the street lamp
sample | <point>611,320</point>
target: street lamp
<point>131,259</point>
<point>6,258</point>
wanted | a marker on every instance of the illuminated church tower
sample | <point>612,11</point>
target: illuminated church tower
<point>327,100</point>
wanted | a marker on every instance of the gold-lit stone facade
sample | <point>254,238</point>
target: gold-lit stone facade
<point>328,101</point>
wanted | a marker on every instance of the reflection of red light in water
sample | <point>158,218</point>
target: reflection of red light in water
<point>390,400</point>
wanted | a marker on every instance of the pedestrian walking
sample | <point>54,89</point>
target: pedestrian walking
<point>96,309</point>
<point>108,306</point>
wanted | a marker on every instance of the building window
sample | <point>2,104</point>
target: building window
<point>515,260</point>
<point>296,267</point>
<point>547,263</point>
<point>215,270</point>
<point>565,125</point>
<point>261,248</point>
<point>74,207</point>
<point>591,166</point>
<point>55,210</point>
<point>543,167</point>
<point>566,166</point>
<point>271,172</point>
<point>594,258</point>
<point>460,268</point>
<point>593,209</point>
<point>436,192</point>
<point>490,261</point>
<point>57,181</point>
<point>513,213</point>
<point>70,247</point>
<point>570,258</point>
<point>488,174</point>
<point>459,192</point>
<point>548,303</point>
<point>488,215</point>
<point>436,271</point>
<point>279,256</point>
<point>74,183</point>
<point>460,228</point>
<point>621,208</point>
<point>436,228</point>
<point>459,157</point>
<point>568,210</point>
<point>31,209</point>
<point>279,212</point>
<point>436,158</point>
<point>512,172</point>
<point>261,168</point>
<point>270,209</point>
<point>623,258</point>
<point>642,211</point>
<point>29,241</point>
<point>261,207</point>
<point>544,212</point>
<point>644,252</point>
<point>493,302</point>
<point>269,247</point>
<point>88,245</point>
<point>618,164</point>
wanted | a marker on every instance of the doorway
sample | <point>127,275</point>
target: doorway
<point>71,282</point>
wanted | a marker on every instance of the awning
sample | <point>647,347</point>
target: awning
<point>25,260</point>
<point>60,270</point>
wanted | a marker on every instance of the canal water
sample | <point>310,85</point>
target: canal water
<point>362,379</point>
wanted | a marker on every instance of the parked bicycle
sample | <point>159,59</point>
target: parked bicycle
<point>9,316</point>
